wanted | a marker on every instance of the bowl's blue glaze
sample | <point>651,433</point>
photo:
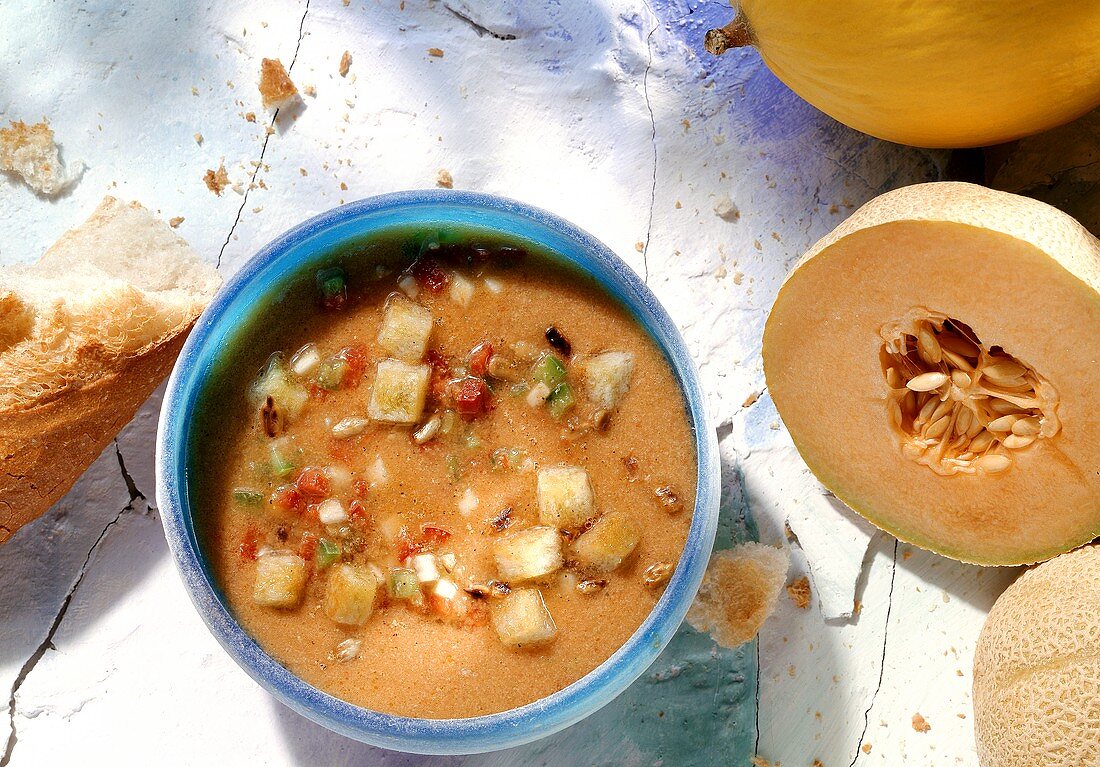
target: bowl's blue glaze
<point>255,282</point>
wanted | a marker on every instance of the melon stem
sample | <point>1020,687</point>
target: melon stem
<point>736,34</point>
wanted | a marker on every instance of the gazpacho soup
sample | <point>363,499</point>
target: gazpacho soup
<point>442,474</point>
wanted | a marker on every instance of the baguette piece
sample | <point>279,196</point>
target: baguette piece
<point>86,334</point>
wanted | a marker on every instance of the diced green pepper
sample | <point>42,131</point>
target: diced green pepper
<point>505,458</point>
<point>331,372</point>
<point>403,583</point>
<point>560,400</point>
<point>327,553</point>
<point>454,473</point>
<point>331,282</point>
<point>244,496</point>
<point>549,370</point>
<point>283,459</point>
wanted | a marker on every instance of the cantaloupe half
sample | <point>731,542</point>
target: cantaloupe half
<point>948,73</point>
<point>1037,668</point>
<point>936,360</point>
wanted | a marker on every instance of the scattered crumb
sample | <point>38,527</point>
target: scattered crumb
<point>269,130</point>
<point>817,763</point>
<point>345,63</point>
<point>791,671</point>
<point>257,209</point>
<point>866,748</point>
<point>759,761</point>
<point>725,209</point>
<point>677,205</point>
<point>920,724</point>
<point>774,425</point>
<point>29,151</point>
<point>738,277</point>
<point>751,399</point>
<point>720,272</point>
<point>310,91</point>
<point>961,716</point>
<point>276,87</point>
<point>303,171</point>
<point>216,180</point>
<point>198,138</point>
<point>857,607</point>
<point>347,3</point>
<point>194,91</point>
<point>436,52</point>
<point>817,715</point>
<point>687,124</point>
<point>443,179</point>
<point>639,246</point>
<point>958,672</point>
<point>906,553</point>
<point>799,592</point>
<point>175,221</point>
<point>250,117</point>
<point>343,187</point>
<point>739,592</point>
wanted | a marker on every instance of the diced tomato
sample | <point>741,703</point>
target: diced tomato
<point>362,488</point>
<point>430,275</point>
<point>312,483</point>
<point>441,374</point>
<point>430,536</point>
<point>250,543</point>
<point>316,393</point>
<point>479,359</point>
<point>308,547</point>
<point>357,513</point>
<point>405,544</point>
<point>356,357</point>
<point>470,396</point>
<point>310,513</point>
<point>287,497</point>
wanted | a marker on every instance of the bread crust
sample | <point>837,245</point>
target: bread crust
<point>86,335</point>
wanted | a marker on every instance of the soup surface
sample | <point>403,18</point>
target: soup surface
<point>458,482</point>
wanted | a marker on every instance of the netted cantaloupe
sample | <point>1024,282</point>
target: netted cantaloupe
<point>948,73</point>
<point>936,359</point>
<point>1037,668</point>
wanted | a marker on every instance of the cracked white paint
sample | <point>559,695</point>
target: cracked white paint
<point>606,113</point>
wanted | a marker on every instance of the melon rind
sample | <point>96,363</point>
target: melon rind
<point>1037,668</point>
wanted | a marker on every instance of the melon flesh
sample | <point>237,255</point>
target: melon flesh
<point>1025,278</point>
<point>1037,668</point>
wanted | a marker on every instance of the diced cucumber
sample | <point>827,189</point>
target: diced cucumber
<point>244,496</point>
<point>331,281</point>
<point>471,441</point>
<point>403,583</point>
<point>327,553</point>
<point>284,458</point>
<point>560,400</point>
<point>331,373</point>
<point>549,371</point>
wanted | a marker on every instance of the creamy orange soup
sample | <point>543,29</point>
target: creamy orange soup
<point>458,483</point>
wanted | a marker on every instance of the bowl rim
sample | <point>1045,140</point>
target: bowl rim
<point>461,735</point>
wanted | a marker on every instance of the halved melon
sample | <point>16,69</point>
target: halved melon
<point>936,359</point>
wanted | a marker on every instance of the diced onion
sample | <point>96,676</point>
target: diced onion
<point>468,503</point>
<point>538,394</point>
<point>305,360</point>
<point>339,478</point>
<point>493,285</point>
<point>448,560</point>
<point>408,286</point>
<point>425,567</point>
<point>331,512</point>
<point>377,472</point>
<point>445,589</point>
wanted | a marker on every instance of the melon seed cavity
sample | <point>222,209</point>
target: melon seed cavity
<point>958,405</point>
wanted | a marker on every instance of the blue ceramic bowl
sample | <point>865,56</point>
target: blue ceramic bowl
<point>295,251</point>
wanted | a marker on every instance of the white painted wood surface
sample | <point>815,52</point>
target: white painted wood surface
<point>606,113</point>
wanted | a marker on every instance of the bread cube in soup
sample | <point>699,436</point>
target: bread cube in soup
<point>521,619</point>
<point>280,580</point>
<point>349,596</point>
<point>607,377</point>
<point>609,541</point>
<point>527,555</point>
<point>405,329</point>
<point>564,496</point>
<point>399,392</point>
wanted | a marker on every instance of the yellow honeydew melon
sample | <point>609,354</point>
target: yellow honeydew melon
<point>933,265</point>
<point>1037,668</point>
<point>950,73</point>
